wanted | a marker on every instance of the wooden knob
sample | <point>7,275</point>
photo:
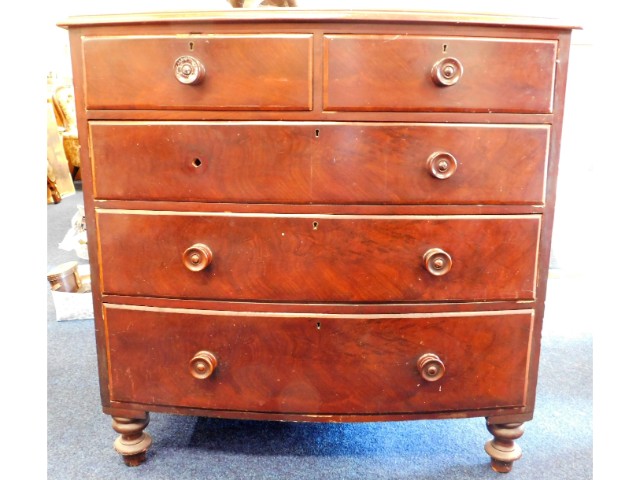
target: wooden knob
<point>442,164</point>
<point>446,72</point>
<point>430,367</point>
<point>203,364</point>
<point>437,261</point>
<point>188,70</point>
<point>197,257</point>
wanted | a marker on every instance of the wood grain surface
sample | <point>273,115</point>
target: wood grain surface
<point>317,162</point>
<point>299,160</point>
<point>242,72</point>
<point>393,72</point>
<point>331,365</point>
<point>239,18</point>
<point>325,258</point>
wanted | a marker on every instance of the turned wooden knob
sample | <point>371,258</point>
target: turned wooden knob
<point>430,367</point>
<point>442,165</point>
<point>203,364</point>
<point>188,70</point>
<point>437,261</point>
<point>197,257</point>
<point>446,72</point>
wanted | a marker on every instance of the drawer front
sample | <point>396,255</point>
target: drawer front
<point>319,162</point>
<point>241,72</point>
<point>394,72</point>
<point>323,258</point>
<point>325,365</point>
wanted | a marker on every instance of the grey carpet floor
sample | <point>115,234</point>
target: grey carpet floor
<point>557,443</point>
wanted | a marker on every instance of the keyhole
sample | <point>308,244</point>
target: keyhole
<point>197,162</point>
<point>444,48</point>
<point>317,133</point>
<point>315,225</point>
<point>318,325</point>
<point>191,46</point>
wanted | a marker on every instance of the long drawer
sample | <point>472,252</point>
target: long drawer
<point>324,258</point>
<point>318,364</point>
<point>426,73</point>
<point>275,162</point>
<point>234,72</point>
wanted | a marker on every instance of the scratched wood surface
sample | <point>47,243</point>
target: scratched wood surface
<point>318,162</point>
<point>335,72</point>
<point>242,72</point>
<point>392,72</point>
<point>318,258</point>
<point>318,365</point>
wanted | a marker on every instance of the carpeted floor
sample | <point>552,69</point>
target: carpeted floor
<point>557,444</point>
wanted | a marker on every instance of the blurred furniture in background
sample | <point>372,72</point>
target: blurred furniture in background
<point>59,181</point>
<point>262,3</point>
<point>64,109</point>
<point>53,194</point>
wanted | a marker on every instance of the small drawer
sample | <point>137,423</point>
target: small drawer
<point>325,163</point>
<point>424,73</point>
<point>324,258</point>
<point>318,364</point>
<point>199,72</point>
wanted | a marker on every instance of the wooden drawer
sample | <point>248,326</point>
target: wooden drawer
<point>241,72</point>
<point>324,364</point>
<point>335,163</point>
<point>394,72</point>
<point>322,258</point>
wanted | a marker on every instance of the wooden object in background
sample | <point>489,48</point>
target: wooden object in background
<point>53,195</point>
<point>59,181</point>
<point>64,107</point>
<point>262,3</point>
<point>319,216</point>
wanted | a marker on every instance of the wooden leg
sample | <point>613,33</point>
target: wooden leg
<point>132,443</point>
<point>503,449</point>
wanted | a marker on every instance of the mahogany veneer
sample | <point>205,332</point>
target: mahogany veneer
<point>500,75</point>
<point>244,72</point>
<point>330,258</point>
<point>326,364</point>
<point>318,162</point>
<point>319,216</point>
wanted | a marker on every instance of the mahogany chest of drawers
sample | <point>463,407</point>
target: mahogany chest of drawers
<point>329,216</point>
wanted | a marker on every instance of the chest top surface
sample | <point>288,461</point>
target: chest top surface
<point>300,16</point>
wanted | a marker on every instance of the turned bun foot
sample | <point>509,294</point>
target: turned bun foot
<point>133,442</point>
<point>135,459</point>
<point>503,449</point>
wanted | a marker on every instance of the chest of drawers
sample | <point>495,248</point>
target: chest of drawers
<point>336,216</point>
